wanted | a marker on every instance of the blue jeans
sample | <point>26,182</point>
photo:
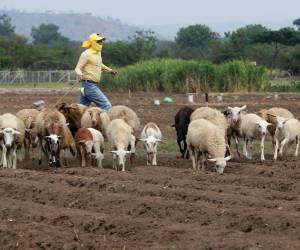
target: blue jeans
<point>92,93</point>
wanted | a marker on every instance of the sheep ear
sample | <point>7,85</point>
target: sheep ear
<point>212,160</point>
<point>244,107</point>
<point>128,152</point>
<point>67,125</point>
<point>113,152</point>
<point>27,130</point>
<point>47,136</point>
<point>269,124</point>
<point>229,107</point>
<point>227,158</point>
<point>141,139</point>
<point>16,132</point>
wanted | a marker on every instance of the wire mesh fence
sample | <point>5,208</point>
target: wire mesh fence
<point>22,76</point>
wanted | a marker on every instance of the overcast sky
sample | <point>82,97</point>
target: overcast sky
<point>162,12</point>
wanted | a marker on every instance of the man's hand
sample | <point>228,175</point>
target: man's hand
<point>80,78</point>
<point>114,72</point>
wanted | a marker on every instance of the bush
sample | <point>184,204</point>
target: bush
<point>177,75</point>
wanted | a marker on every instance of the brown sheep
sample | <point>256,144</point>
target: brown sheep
<point>270,116</point>
<point>28,116</point>
<point>50,125</point>
<point>73,113</point>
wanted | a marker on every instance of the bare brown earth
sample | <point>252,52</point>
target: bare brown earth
<point>253,205</point>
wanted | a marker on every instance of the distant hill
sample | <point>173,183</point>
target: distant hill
<point>77,27</point>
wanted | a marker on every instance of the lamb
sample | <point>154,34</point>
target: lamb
<point>212,115</point>
<point>12,133</point>
<point>28,116</point>
<point>182,120</point>
<point>96,118</point>
<point>73,113</point>
<point>119,135</point>
<point>287,130</point>
<point>151,136</point>
<point>88,139</point>
<point>50,125</point>
<point>270,116</point>
<point>205,138</point>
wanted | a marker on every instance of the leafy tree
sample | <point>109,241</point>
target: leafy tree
<point>6,29</point>
<point>297,23</point>
<point>279,39</point>
<point>241,39</point>
<point>47,34</point>
<point>195,36</point>
<point>143,44</point>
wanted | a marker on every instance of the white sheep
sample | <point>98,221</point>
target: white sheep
<point>127,114</point>
<point>287,130</point>
<point>212,115</point>
<point>249,127</point>
<point>12,133</point>
<point>204,138</point>
<point>253,126</point>
<point>119,135</point>
<point>151,136</point>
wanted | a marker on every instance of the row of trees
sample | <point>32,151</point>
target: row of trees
<point>50,50</point>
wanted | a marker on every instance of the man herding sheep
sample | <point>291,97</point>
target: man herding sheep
<point>88,69</point>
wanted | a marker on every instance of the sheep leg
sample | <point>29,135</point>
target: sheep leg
<point>185,151</point>
<point>297,147</point>
<point>82,155</point>
<point>154,161</point>
<point>262,148</point>
<point>276,149</point>
<point>26,148</point>
<point>245,147</point>
<point>237,146</point>
<point>148,159</point>
<point>282,145</point>
<point>180,148</point>
<point>115,162</point>
<point>4,160</point>
<point>192,153</point>
<point>14,157</point>
<point>203,161</point>
<point>250,149</point>
<point>197,158</point>
<point>41,150</point>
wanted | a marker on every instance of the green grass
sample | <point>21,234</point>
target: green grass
<point>283,86</point>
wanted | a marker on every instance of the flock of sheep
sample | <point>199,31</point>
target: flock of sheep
<point>54,131</point>
<point>203,134</point>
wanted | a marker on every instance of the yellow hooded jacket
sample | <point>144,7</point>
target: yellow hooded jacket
<point>90,63</point>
